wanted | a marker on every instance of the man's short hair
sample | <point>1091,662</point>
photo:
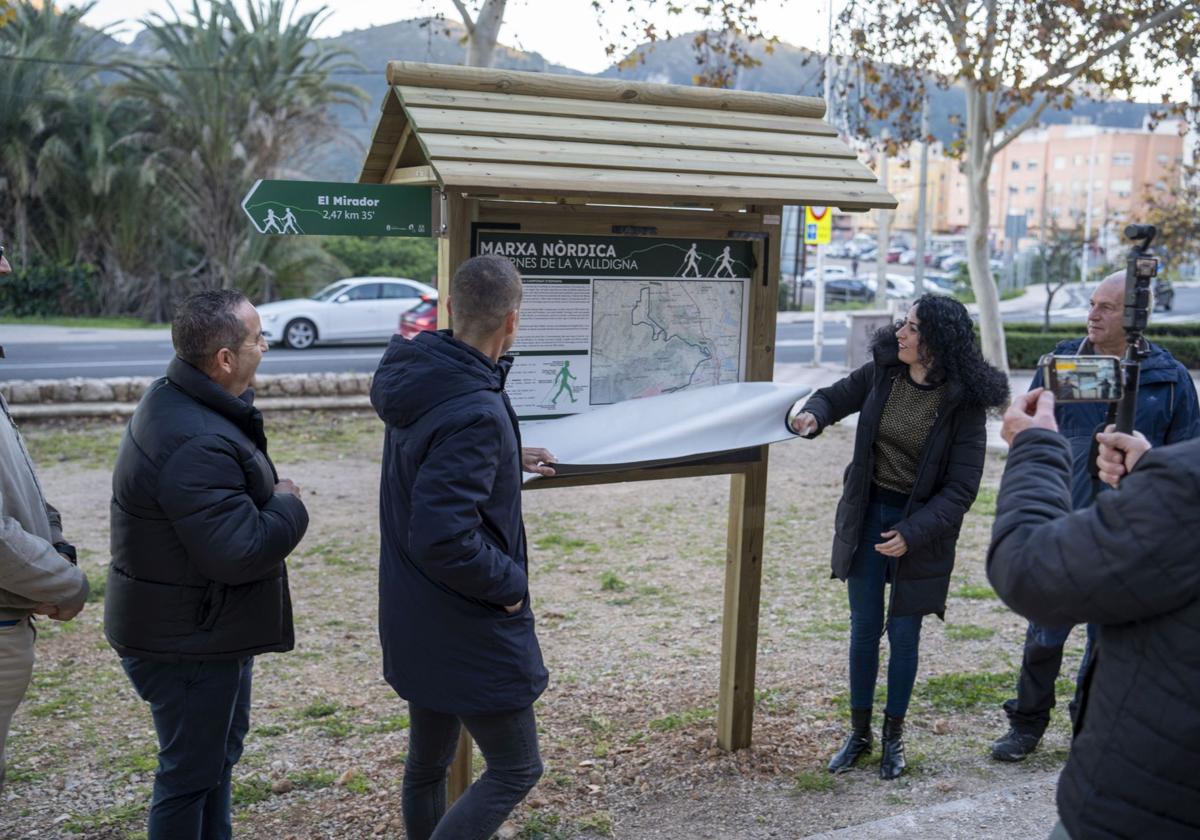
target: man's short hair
<point>206,322</point>
<point>483,291</point>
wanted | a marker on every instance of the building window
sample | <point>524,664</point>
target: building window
<point>1057,188</point>
<point>1030,189</point>
<point>1032,165</point>
<point>1122,159</point>
<point>1098,160</point>
<point>1016,165</point>
<point>1078,160</point>
<point>1060,161</point>
<point>1164,160</point>
<point>1122,187</point>
<point>1014,190</point>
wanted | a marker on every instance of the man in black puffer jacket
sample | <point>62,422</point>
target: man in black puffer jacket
<point>201,527</point>
<point>1131,565</point>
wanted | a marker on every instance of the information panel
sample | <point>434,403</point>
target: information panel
<point>606,319</point>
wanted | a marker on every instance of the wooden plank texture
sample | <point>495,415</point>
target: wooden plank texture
<point>446,77</point>
<point>578,109</point>
<point>493,124</point>
<point>655,187</point>
<point>651,158</point>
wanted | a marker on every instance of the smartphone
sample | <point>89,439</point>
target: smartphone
<point>1082,378</point>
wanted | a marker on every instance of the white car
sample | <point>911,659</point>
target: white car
<point>354,309</point>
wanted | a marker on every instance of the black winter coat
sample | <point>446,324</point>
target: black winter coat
<point>948,476</point>
<point>1131,565</point>
<point>199,536</point>
<point>452,550</point>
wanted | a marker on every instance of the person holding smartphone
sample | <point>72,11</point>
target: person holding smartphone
<point>918,459</point>
<point>1167,412</point>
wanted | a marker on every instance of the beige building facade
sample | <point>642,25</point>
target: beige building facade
<point>1048,175</point>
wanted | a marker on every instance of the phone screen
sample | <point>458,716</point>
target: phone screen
<point>1084,378</point>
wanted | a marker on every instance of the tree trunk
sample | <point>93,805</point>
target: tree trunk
<point>979,165</point>
<point>481,45</point>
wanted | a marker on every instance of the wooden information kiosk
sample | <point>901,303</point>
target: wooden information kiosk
<point>584,160</point>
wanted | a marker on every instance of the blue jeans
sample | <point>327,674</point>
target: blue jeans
<point>869,571</point>
<point>201,714</point>
<point>508,741</point>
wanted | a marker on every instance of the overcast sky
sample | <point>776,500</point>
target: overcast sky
<point>567,35</point>
<point>564,31</point>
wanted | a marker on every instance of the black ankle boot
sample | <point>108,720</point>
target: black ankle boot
<point>892,764</point>
<point>858,742</point>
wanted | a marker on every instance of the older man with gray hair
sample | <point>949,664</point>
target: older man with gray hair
<point>38,574</point>
<point>201,528</point>
<point>1167,412</point>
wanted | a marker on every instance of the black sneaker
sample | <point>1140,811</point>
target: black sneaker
<point>1015,746</point>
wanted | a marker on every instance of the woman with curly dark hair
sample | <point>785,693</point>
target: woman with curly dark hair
<point>918,458</point>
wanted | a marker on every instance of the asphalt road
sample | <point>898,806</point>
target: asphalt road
<point>66,352</point>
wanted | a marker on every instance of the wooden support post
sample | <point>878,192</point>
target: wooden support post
<point>747,518</point>
<point>460,768</point>
<point>739,631</point>
<point>453,248</point>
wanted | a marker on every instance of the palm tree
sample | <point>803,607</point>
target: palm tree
<point>230,99</point>
<point>45,61</point>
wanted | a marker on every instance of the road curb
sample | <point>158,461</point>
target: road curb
<point>114,392</point>
<point>92,410</point>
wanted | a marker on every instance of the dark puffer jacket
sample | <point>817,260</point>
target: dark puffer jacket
<point>452,551</point>
<point>199,536</point>
<point>948,476</point>
<point>1130,564</point>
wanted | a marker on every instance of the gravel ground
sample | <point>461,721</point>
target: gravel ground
<point>627,587</point>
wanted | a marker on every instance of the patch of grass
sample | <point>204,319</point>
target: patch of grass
<point>968,632</point>
<point>678,720</point>
<point>107,819</point>
<point>319,709</point>
<point>985,502</point>
<point>958,692</point>
<point>89,447</point>
<point>975,592</point>
<point>358,784</point>
<point>17,775</point>
<point>312,779</point>
<point>97,583</point>
<point>326,435</point>
<point>142,760</point>
<point>335,727</point>
<point>391,723</point>
<point>813,781</point>
<point>610,581</point>
<point>250,791</point>
<point>561,542</point>
<point>542,826</point>
<point>600,822</point>
<point>270,730</point>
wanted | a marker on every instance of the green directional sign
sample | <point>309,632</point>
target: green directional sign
<point>298,208</point>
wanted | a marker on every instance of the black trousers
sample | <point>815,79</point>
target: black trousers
<point>1029,711</point>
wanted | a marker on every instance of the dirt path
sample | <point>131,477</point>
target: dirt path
<point>627,583</point>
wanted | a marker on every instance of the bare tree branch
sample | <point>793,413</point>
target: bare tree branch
<point>465,14</point>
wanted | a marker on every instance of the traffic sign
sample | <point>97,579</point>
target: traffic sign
<point>818,225</point>
<point>329,208</point>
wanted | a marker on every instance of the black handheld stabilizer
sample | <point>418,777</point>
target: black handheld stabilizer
<point>1140,270</point>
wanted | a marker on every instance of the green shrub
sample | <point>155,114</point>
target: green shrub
<point>1024,349</point>
<point>50,289</point>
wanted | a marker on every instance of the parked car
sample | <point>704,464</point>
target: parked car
<point>422,317</point>
<point>847,289</point>
<point>939,284</point>
<point>831,272</point>
<point>868,254</point>
<point>354,309</point>
<point>1164,295</point>
<point>894,253</point>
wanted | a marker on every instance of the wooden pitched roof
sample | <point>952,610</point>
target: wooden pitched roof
<point>508,134</point>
